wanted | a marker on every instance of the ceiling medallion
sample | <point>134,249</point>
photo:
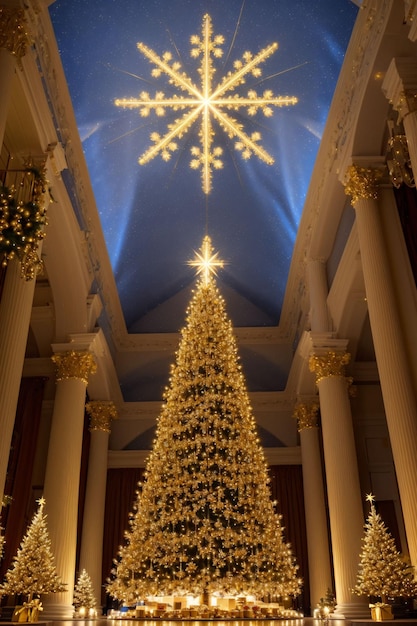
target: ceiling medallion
<point>206,103</point>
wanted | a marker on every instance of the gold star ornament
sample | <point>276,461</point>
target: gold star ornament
<point>206,261</point>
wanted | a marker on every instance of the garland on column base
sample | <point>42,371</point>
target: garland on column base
<point>22,224</point>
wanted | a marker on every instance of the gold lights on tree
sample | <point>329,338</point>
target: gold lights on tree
<point>206,102</point>
<point>383,572</point>
<point>204,520</point>
<point>33,570</point>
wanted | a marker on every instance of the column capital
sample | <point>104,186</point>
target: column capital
<point>400,85</point>
<point>101,413</point>
<point>362,183</point>
<point>13,34</point>
<point>329,364</point>
<point>306,415</point>
<point>74,365</point>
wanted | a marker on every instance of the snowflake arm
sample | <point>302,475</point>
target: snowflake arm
<point>247,144</point>
<point>177,78</point>
<point>249,64</point>
<point>166,144</point>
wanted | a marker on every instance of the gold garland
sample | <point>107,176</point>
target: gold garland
<point>22,224</point>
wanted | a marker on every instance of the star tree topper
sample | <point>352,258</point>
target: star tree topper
<point>206,261</point>
<point>206,103</point>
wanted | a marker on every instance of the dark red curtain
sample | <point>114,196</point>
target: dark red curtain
<point>287,489</point>
<point>17,515</point>
<point>406,199</point>
<point>122,484</point>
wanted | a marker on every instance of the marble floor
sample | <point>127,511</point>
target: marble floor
<point>306,621</point>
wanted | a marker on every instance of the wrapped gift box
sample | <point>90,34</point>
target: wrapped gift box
<point>20,614</point>
<point>381,612</point>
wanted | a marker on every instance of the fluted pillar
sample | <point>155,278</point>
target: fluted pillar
<point>62,475</point>
<point>101,413</point>
<point>15,310</point>
<point>394,371</point>
<point>17,296</point>
<point>318,289</point>
<point>342,476</point>
<point>316,519</point>
<point>13,42</point>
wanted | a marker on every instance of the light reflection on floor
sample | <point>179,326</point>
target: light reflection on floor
<point>306,621</point>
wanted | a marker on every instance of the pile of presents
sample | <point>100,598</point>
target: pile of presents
<point>225,608</point>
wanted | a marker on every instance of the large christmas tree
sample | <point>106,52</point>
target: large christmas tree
<point>204,520</point>
<point>383,571</point>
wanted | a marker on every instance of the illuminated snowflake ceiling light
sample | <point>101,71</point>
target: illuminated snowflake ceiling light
<point>206,103</point>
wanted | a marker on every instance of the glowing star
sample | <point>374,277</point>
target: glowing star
<point>370,498</point>
<point>205,261</point>
<point>206,103</point>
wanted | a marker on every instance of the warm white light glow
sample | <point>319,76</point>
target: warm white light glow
<point>206,103</point>
<point>205,261</point>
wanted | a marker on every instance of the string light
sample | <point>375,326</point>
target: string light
<point>205,521</point>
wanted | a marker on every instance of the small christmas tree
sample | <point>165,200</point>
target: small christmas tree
<point>84,600</point>
<point>204,520</point>
<point>6,500</point>
<point>33,570</point>
<point>383,572</point>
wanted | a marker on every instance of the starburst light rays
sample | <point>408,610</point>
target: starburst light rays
<point>206,261</point>
<point>206,103</point>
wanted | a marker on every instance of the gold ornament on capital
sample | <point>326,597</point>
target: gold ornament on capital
<point>13,34</point>
<point>101,413</point>
<point>329,364</point>
<point>362,183</point>
<point>306,415</point>
<point>74,365</point>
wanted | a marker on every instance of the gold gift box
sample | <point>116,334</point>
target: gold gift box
<point>20,614</point>
<point>380,613</point>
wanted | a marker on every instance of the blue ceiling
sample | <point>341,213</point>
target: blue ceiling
<point>154,216</point>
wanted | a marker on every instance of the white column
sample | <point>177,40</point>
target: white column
<point>318,290</point>
<point>15,310</point>
<point>343,487</point>
<point>394,371</point>
<point>315,507</point>
<point>101,413</point>
<point>13,42</point>
<point>62,474</point>
<point>17,296</point>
